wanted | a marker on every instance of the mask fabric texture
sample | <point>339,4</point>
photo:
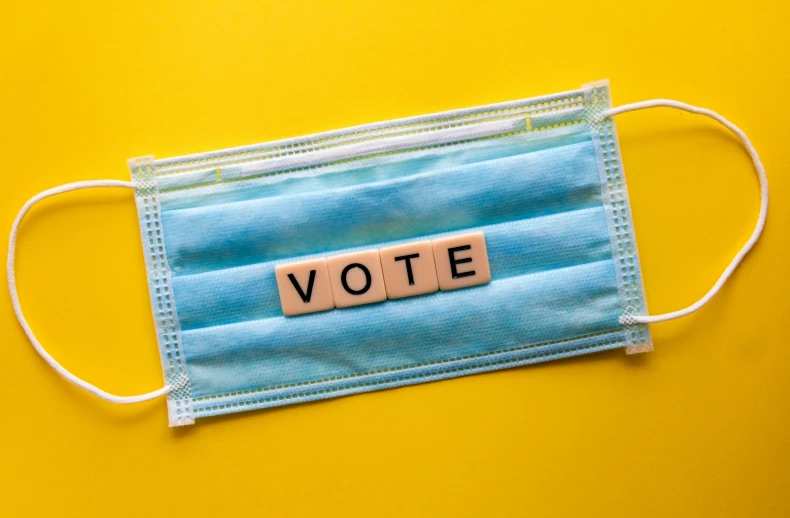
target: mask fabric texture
<point>541,177</point>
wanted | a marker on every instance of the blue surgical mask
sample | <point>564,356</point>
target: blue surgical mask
<point>540,178</point>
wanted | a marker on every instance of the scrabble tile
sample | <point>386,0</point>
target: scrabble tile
<point>409,269</point>
<point>356,278</point>
<point>304,287</point>
<point>461,261</point>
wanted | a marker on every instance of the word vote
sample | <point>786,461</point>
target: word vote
<point>393,272</point>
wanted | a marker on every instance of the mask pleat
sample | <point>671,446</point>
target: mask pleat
<point>515,248</point>
<point>504,314</point>
<point>287,226</point>
<point>228,184</point>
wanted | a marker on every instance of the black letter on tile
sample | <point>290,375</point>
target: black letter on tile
<point>454,261</point>
<point>305,298</point>
<point>408,259</point>
<point>343,280</point>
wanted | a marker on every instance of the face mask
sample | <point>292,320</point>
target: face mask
<point>529,196</point>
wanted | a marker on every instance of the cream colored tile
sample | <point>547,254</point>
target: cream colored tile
<point>409,269</point>
<point>304,287</point>
<point>356,278</point>
<point>461,261</point>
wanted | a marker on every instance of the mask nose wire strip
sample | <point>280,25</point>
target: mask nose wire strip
<point>18,309</point>
<point>758,167</point>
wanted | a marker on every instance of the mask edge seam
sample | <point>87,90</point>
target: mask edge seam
<point>615,191</point>
<point>603,335</point>
<point>166,323</point>
<point>421,378</point>
<point>532,105</point>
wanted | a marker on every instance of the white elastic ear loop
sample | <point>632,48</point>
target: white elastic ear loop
<point>758,167</point>
<point>18,309</point>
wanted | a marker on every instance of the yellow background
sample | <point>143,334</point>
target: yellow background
<point>700,427</point>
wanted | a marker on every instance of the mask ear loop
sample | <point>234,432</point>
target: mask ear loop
<point>758,167</point>
<point>18,309</point>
